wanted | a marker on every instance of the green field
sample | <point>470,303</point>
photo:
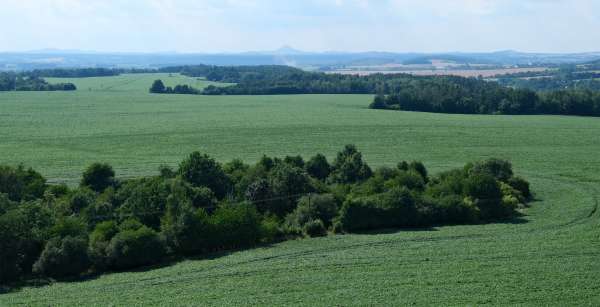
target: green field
<point>549,257</point>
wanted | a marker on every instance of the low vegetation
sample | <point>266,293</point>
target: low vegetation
<point>205,206</point>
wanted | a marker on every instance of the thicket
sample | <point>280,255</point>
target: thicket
<point>441,96</point>
<point>203,206</point>
<point>10,81</point>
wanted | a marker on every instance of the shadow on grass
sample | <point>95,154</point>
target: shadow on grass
<point>33,282</point>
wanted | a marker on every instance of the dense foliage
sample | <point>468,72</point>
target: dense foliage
<point>446,97</point>
<point>29,82</point>
<point>86,72</point>
<point>564,77</point>
<point>205,206</point>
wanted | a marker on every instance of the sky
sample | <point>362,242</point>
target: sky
<point>210,26</point>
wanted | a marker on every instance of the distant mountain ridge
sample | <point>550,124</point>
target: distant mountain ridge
<point>286,55</point>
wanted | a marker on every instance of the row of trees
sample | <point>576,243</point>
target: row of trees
<point>87,72</point>
<point>107,224</point>
<point>22,82</point>
<point>445,98</point>
<point>158,87</point>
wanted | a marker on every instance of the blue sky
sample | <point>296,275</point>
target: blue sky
<point>315,25</point>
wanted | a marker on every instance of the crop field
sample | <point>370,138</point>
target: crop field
<point>549,256</point>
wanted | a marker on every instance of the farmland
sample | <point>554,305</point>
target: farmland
<point>549,256</point>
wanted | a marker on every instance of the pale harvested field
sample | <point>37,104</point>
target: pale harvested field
<point>486,73</point>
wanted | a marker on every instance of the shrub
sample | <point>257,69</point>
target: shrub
<point>454,210</point>
<point>419,168</point>
<point>58,190</point>
<point>135,248</point>
<point>314,228</point>
<point>269,229</point>
<point>395,208</point>
<point>6,204</point>
<point>68,226</point>
<point>63,257</point>
<point>321,207</point>
<point>296,161</point>
<point>410,179</point>
<point>98,177</point>
<point>236,225</point>
<point>144,199</point>
<point>318,167</point>
<point>99,241</point>
<point>81,199</point>
<point>483,186</point>
<point>361,214</point>
<point>499,169</point>
<point>20,183</point>
<point>186,229</point>
<point>520,185</point>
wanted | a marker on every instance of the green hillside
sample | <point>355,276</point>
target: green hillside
<point>547,257</point>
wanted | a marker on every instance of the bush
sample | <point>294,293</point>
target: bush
<point>499,169</point>
<point>318,167</point>
<point>99,241</point>
<point>20,183</point>
<point>68,226</point>
<point>321,207</point>
<point>410,179</point>
<point>314,228</point>
<point>483,186</point>
<point>269,229</point>
<point>419,168</point>
<point>396,208</point>
<point>187,230</point>
<point>235,226</point>
<point>134,248</point>
<point>81,199</point>
<point>63,257</point>
<point>144,199</point>
<point>520,185</point>
<point>98,177</point>
<point>454,210</point>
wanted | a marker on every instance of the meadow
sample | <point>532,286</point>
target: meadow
<point>547,257</point>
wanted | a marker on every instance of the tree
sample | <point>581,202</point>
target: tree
<point>201,170</point>
<point>287,183</point>
<point>349,166</point>
<point>158,87</point>
<point>98,177</point>
<point>63,257</point>
<point>134,248</point>
<point>378,102</point>
<point>318,167</point>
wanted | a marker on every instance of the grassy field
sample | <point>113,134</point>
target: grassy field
<point>548,257</point>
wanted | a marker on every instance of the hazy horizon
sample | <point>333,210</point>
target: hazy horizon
<point>233,26</point>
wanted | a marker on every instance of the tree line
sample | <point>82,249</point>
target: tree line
<point>484,98</point>
<point>87,72</point>
<point>23,82</point>
<point>444,94</point>
<point>203,206</point>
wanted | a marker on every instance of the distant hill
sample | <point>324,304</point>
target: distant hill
<point>285,55</point>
